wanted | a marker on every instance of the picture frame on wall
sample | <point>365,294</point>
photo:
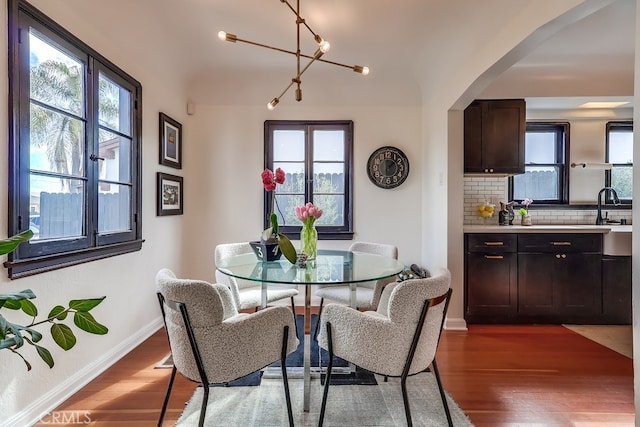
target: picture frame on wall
<point>170,142</point>
<point>170,194</point>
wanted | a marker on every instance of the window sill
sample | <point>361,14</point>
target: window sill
<point>29,267</point>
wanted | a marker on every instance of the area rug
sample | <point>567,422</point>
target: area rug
<point>618,338</point>
<point>319,357</point>
<point>352,405</point>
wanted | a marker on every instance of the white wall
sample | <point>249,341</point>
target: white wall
<point>130,310</point>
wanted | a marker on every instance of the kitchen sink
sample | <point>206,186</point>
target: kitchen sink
<point>617,242</point>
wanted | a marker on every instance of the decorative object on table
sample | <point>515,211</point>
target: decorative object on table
<point>323,47</point>
<point>506,215</point>
<point>170,194</point>
<point>524,212</point>
<point>272,241</point>
<point>308,214</point>
<point>486,210</point>
<point>388,167</point>
<point>14,335</point>
<point>170,142</point>
<point>301,262</point>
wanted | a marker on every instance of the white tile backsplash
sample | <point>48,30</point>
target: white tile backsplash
<point>477,190</point>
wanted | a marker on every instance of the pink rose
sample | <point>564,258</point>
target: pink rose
<point>280,176</point>
<point>267,180</point>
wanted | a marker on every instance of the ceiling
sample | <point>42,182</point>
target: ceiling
<point>403,44</point>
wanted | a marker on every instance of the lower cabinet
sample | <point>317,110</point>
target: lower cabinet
<point>616,290</point>
<point>544,278</point>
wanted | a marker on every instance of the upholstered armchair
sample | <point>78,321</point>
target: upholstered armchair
<point>211,343</point>
<point>399,339</point>
<point>367,294</point>
<point>247,294</point>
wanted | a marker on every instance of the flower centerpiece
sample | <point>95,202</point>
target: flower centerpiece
<point>524,211</point>
<point>272,242</point>
<point>308,214</point>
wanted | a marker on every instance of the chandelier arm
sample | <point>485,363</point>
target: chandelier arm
<point>300,18</point>
<point>290,52</point>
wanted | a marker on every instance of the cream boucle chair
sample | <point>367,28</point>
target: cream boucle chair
<point>247,294</point>
<point>211,343</point>
<point>397,340</point>
<point>367,294</point>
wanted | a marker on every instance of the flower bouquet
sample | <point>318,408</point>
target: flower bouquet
<point>308,214</point>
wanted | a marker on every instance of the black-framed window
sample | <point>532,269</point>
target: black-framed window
<point>619,152</point>
<point>545,180</point>
<point>74,145</point>
<point>317,157</point>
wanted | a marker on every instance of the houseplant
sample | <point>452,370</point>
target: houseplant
<point>14,335</point>
<point>524,212</point>
<point>272,241</point>
<point>308,214</point>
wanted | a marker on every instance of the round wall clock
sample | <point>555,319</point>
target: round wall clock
<point>388,167</point>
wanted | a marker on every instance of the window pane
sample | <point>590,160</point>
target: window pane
<point>285,208</point>
<point>328,145</point>
<point>328,178</point>
<point>57,143</point>
<point>56,78</point>
<point>537,183</point>
<point>332,209</point>
<point>540,147</point>
<point>622,181</point>
<point>116,152</point>
<point>56,207</point>
<point>114,106</point>
<point>620,147</point>
<point>114,208</point>
<point>288,145</point>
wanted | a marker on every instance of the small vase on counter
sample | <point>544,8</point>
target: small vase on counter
<point>526,220</point>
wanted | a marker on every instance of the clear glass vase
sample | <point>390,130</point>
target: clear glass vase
<point>309,241</point>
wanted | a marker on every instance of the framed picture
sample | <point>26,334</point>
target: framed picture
<point>170,195</point>
<point>170,142</point>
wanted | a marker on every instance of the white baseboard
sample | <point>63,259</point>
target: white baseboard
<point>455,324</point>
<point>34,412</point>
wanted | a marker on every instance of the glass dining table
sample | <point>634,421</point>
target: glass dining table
<point>331,267</point>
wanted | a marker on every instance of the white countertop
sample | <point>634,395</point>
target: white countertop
<point>541,228</point>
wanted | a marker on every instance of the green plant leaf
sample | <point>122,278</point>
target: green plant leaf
<point>274,222</point>
<point>8,343</point>
<point>87,323</point>
<point>45,355</point>
<point>35,335</point>
<point>59,312</point>
<point>287,249</point>
<point>63,336</point>
<point>85,305</point>
<point>11,243</point>
<point>29,308</point>
<point>23,359</point>
<point>12,304</point>
<point>15,296</point>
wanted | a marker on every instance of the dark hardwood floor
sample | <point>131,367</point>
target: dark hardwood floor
<point>499,375</point>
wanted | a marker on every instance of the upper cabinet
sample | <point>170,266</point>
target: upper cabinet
<point>494,132</point>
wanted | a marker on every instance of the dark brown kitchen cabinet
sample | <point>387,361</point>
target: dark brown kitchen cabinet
<point>559,278</point>
<point>616,290</point>
<point>491,278</point>
<point>494,135</point>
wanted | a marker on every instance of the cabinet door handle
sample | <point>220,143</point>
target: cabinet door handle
<point>561,243</point>
<point>493,243</point>
<point>494,257</point>
<point>563,256</point>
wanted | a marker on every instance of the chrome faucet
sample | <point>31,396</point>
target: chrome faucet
<point>616,201</point>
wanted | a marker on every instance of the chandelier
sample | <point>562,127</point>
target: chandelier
<point>323,47</point>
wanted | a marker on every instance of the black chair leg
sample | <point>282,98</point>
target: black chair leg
<point>436,373</point>
<point>327,378</point>
<point>166,398</point>
<point>405,399</point>
<point>317,328</point>
<point>283,364</point>
<point>205,401</point>
<point>295,323</point>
